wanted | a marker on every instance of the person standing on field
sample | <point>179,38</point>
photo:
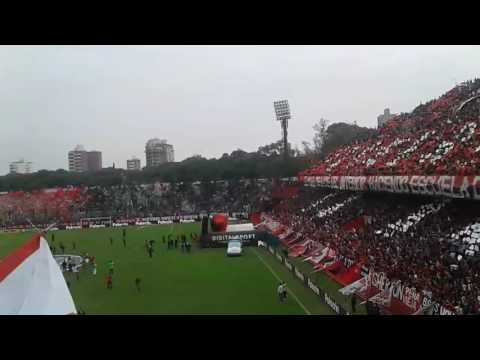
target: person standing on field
<point>110,282</point>
<point>284,291</point>
<point>111,266</point>
<point>150,251</point>
<point>280,292</point>
<point>124,237</point>
<point>111,241</point>
<point>137,283</point>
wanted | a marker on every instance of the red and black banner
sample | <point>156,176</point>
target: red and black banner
<point>465,187</point>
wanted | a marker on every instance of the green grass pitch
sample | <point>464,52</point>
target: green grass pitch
<point>203,282</point>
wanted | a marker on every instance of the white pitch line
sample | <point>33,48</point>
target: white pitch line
<point>278,278</point>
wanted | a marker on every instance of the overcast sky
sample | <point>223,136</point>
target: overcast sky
<point>204,99</point>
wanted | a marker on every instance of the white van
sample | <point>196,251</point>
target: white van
<point>234,248</point>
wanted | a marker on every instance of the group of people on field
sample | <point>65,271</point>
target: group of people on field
<point>68,263</point>
<point>61,246</point>
<point>185,245</point>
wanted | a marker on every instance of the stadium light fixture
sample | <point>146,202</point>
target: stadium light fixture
<point>282,112</point>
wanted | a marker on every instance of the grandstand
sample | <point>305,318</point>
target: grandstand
<point>393,220</point>
<point>441,137</point>
<point>126,203</point>
<point>395,216</point>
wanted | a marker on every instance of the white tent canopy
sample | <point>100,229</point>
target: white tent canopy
<point>31,282</point>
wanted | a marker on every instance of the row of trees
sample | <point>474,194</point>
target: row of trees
<point>239,164</point>
<point>327,137</point>
<point>266,162</point>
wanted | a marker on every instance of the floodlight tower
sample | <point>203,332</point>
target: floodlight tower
<point>282,112</point>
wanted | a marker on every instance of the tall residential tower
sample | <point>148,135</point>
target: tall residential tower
<point>80,160</point>
<point>158,152</point>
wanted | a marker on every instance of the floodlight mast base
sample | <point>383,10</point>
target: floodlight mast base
<point>285,138</point>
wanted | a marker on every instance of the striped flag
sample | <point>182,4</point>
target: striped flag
<point>383,298</point>
<point>31,282</point>
<point>354,287</point>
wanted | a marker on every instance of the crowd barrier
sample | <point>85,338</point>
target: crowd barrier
<point>162,220</point>
<point>167,220</point>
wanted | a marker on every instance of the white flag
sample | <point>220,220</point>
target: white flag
<point>354,287</point>
<point>31,282</point>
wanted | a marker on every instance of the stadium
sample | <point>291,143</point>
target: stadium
<point>387,224</point>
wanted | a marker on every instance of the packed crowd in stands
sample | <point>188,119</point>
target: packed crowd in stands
<point>68,206</point>
<point>441,137</point>
<point>41,206</point>
<point>170,199</point>
<point>428,243</point>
